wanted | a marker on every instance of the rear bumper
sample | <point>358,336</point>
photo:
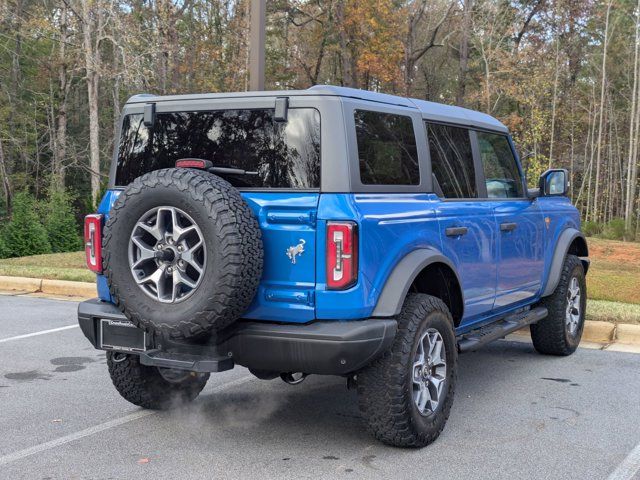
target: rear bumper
<point>321,347</point>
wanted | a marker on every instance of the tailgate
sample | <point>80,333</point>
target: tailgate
<point>288,224</point>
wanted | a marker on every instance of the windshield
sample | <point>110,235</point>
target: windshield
<point>278,154</point>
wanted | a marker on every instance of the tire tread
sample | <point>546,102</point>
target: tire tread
<point>144,386</point>
<point>382,386</point>
<point>549,335</point>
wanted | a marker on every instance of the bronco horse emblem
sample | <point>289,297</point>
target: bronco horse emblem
<point>292,252</point>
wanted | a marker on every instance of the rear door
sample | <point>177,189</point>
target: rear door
<point>519,220</point>
<point>467,225</point>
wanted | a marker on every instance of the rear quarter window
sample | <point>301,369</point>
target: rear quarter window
<point>273,154</point>
<point>387,152</point>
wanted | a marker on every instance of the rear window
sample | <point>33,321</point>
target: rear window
<point>272,154</point>
<point>387,150</point>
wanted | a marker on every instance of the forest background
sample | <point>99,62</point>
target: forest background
<point>564,75</point>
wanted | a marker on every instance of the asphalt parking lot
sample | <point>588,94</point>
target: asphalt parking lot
<point>516,415</point>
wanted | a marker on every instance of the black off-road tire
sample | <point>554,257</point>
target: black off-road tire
<point>234,252</point>
<point>146,387</point>
<point>385,387</point>
<point>550,335</point>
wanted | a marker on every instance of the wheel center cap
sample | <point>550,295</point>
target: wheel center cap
<point>169,254</point>
<point>166,255</point>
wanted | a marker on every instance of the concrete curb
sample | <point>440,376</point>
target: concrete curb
<point>52,287</point>
<point>594,332</point>
<point>628,334</point>
<point>599,332</point>
<point>604,333</point>
<point>20,284</point>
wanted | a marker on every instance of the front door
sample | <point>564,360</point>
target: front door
<point>519,222</point>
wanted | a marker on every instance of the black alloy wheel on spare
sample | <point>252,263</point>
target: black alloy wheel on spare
<point>182,252</point>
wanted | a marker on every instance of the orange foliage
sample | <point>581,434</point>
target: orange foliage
<point>376,28</point>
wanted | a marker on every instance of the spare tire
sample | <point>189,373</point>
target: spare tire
<point>182,253</point>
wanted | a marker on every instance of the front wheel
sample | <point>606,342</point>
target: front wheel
<point>405,396</point>
<point>151,387</point>
<point>560,332</point>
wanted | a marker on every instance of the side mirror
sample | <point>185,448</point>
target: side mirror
<point>554,182</point>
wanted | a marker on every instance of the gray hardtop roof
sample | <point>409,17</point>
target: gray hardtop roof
<point>430,110</point>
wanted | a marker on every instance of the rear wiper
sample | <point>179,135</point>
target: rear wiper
<point>231,171</point>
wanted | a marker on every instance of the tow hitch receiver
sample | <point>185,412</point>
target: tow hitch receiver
<point>208,360</point>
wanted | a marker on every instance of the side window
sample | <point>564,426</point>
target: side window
<point>387,150</point>
<point>501,171</point>
<point>452,161</point>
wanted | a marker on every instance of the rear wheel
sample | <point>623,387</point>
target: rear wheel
<point>560,332</point>
<point>405,396</point>
<point>151,387</point>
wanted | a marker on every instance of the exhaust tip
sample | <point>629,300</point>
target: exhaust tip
<point>293,378</point>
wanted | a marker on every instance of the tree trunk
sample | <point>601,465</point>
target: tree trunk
<point>348,71</point>
<point>60,153</point>
<point>632,166</point>
<point>555,99</point>
<point>603,84</point>
<point>16,71</point>
<point>572,149</point>
<point>92,61</point>
<point>464,52</point>
<point>116,91</point>
<point>409,64</point>
<point>6,186</point>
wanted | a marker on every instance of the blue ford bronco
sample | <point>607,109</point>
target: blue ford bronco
<point>326,231</point>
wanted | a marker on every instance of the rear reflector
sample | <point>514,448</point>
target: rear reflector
<point>193,163</point>
<point>342,255</point>
<point>93,242</point>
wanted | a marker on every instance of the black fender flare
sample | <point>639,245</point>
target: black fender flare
<point>562,248</point>
<point>402,276</point>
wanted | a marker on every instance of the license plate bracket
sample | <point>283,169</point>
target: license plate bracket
<point>121,336</point>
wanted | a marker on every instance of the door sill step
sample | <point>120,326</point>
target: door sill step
<point>475,339</point>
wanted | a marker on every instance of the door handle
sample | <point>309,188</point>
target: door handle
<point>456,231</point>
<point>507,227</point>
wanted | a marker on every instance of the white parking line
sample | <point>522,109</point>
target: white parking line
<point>12,457</point>
<point>20,454</point>
<point>35,334</point>
<point>629,466</point>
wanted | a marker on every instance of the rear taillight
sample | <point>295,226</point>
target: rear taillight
<point>342,255</point>
<point>93,242</point>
